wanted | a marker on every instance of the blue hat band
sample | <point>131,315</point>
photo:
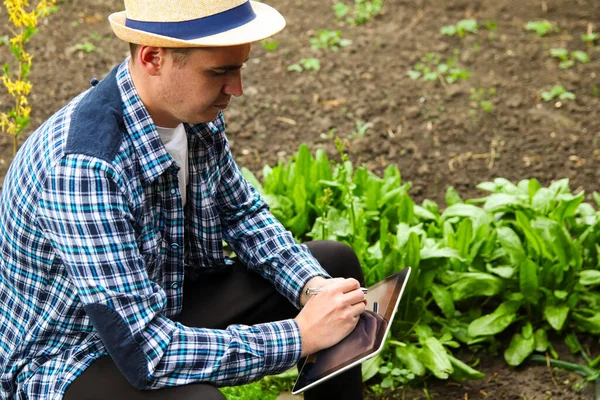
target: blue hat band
<point>200,27</point>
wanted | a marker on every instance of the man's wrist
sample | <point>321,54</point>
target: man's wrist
<point>316,281</point>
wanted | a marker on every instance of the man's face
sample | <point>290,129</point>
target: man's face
<point>196,89</point>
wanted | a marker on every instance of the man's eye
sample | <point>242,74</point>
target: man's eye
<point>219,71</point>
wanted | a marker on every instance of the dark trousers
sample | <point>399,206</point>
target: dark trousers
<point>236,296</point>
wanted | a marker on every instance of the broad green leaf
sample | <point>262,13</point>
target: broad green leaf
<point>541,340</point>
<point>588,321</point>
<point>409,356</point>
<point>463,372</point>
<point>443,299</point>
<point>250,177</point>
<point>464,237</point>
<point>567,206</point>
<point>371,367</point>
<point>528,281</point>
<point>413,250</point>
<point>496,322</point>
<point>502,202</point>
<point>543,201</point>
<point>533,240</point>
<point>477,284</point>
<point>510,242</point>
<point>573,343</point>
<point>596,197</point>
<point>532,187</point>
<point>423,213</point>
<point>478,215</point>
<point>519,349</point>
<point>589,277</point>
<point>503,271</point>
<point>427,253</point>
<point>435,358</point>
<point>452,196</point>
<point>556,316</point>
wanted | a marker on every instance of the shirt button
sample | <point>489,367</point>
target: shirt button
<point>92,354</point>
<point>175,285</point>
<point>174,246</point>
<point>173,191</point>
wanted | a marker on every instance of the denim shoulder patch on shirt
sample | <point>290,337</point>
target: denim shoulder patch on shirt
<point>118,340</point>
<point>97,123</point>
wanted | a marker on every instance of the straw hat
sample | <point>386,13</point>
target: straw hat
<point>195,23</point>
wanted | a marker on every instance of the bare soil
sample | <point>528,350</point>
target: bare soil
<point>434,132</point>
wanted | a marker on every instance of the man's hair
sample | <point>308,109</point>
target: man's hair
<point>180,54</point>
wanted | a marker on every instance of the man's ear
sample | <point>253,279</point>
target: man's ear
<point>151,59</point>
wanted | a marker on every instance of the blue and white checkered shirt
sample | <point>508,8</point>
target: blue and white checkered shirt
<point>95,243</point>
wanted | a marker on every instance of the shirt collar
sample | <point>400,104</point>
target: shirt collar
<point>153,156</point>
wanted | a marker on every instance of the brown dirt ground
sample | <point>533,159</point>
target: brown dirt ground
<point>433,132</point>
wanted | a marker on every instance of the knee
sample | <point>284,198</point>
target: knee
<point>338,259</point>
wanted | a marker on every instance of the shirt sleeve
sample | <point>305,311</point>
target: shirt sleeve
<point>85,214</point>
<point>257,237</point>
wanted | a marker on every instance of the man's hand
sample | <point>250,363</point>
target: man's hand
<point>331,315</point>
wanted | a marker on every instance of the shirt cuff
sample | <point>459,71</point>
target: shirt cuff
<point>282,345</point>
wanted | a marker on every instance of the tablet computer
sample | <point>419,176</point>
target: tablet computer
<point>364,342</point>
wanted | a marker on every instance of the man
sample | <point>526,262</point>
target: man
<point>113,279</point>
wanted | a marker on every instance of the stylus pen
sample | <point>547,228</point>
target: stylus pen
<point>316,290</point>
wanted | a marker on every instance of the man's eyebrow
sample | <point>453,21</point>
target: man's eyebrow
<point>231,67</point>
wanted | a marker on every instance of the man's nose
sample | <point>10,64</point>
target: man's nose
<point>233,86</point>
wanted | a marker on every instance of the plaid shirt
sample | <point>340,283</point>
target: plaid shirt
<point>95,244</point>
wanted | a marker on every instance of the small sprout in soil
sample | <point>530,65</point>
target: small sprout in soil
<point>431,68</point>
<point>361,129</point>
<point>461,29</point>
<point>4,40</point>
<point>269,44</point>
<point>86,47</point>
<point>568,60</point>
<point>558,91</point>
<point>541,28</point>
<point>595,91</point>
<point>327,39</point>
<point>308,64</point>
<point>590,37</point>
<point>362,12</point>
<point>481,98</point>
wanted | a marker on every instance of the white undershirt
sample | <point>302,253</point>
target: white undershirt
<point>175,141</point>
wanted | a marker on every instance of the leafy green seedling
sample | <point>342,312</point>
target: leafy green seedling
<point>341,10</point>
<point>361,129</point>
<point>432,67</point>
<point>308,64</point>
<point>491,25</point>
<point>269,44</point>
<point>361,13</point>
<point>461,29</point>
<point>482,98</point>
<point>86,47</point>
<point>327,39</point>
<point>568,60</point>
<point>4,40</point>
<point>558,91</point>
<point>590,37</point>
<point>541,28</point>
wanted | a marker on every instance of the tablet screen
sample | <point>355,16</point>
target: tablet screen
<point>365,341</point>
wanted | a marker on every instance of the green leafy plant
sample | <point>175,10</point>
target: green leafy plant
<point>308,64</point>
<point>558,91</point>
<point>432,68</point>
<point>568,59</point>
<point>590,37</point>
<point>522,260</point>
<point>327,39</point>
<point>541,28</point>
<point>269,44</point>
<point>461,29</point>
<point>361,13</point>
<point>481,98</point>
